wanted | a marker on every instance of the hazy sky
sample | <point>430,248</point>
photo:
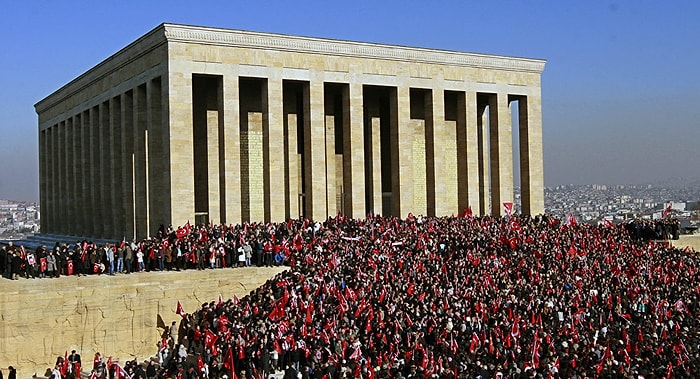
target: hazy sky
<point>620,87</point>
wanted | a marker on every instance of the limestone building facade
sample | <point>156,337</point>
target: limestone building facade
<point>225,126</point>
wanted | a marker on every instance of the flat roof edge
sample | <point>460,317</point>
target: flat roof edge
<point>240,38</point>
<point>168,32</point>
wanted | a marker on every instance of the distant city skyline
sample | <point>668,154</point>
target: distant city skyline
<point>619,88</point>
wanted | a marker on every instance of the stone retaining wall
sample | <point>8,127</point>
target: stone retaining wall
<point>122,316</point>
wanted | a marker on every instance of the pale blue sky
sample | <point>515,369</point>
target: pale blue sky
<point>620,88</point>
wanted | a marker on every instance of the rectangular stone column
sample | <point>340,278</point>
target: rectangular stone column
<point>444,141</point>
<point>375,156</point>
<point>253,138</point>
<point>484,159</point>
<point>85,198</point>
<point>331,190</point>
<point>51,208</point>
<point>501,155</point>
<point>140,164</point>
<point>100,167</point>
<point>421,181</point>
<point>62,166</point>
<point>75,174</point>
<point>232,149</point>
<point>61,177</point>
<point>55,153</point>
<point>293,168</point>
<point>94,227</point>
<point>70,178</point>
<point>159,209</point>
<point>353,151</point>
<point>467,153</point>
<point>274,143</point>
<point>43,190</point>
<point>105,205</point>
<point>472,152</point>
<point>47,205</point>
<point>43,176</point>
<point>401,151</point>
<point>170,162</point>
<point>214,194</point>
<point>531,168</point>
<point>314,149</point>
<point>116,167</point>
<point>127,162</point>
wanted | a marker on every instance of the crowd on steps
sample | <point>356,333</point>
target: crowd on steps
<point>450,297</point>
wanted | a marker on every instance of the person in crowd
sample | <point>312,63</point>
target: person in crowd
<point>75,364</point>
<point>51,264</point>
<point>128,258</point>
<point>120,257</point>
<point>109,254</point>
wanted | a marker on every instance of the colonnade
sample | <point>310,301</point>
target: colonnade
<point>103,169</point>
<point>227,149</point>
<point>271,148</point>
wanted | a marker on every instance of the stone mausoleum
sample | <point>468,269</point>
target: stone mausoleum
<point>225,126</point>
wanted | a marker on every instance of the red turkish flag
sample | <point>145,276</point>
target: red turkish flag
<point>357,354</point>
<point>209,338</point>
<point>228,363</point>
<point>474,343</point>
<point>200,363</point>
<point>508,208</point>
<point>180,311</point>
<point>309,310</point>
<point>668,209</point>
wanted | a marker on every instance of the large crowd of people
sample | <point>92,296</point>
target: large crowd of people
<point>457,297</point>
<point>452,297</point>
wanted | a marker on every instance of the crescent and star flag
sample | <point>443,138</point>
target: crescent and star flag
<point>668,209</point>
<point>209,338</point>
<point>180,311</point>
<point>228,363</point>
<point>508,208</point>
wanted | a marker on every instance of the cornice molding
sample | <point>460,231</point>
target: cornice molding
<point>166,33</point>
<point>282,42</point>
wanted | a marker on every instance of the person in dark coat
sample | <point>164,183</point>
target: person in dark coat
<point>290,372</point>
<point>16,266</point>
<point>3,263</point>
<point>12,373</point>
